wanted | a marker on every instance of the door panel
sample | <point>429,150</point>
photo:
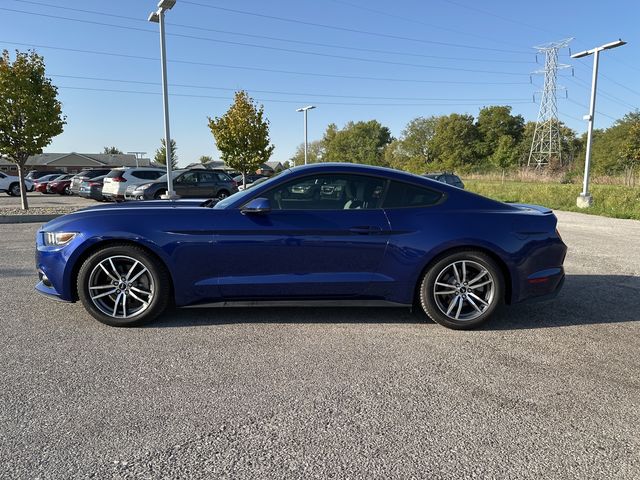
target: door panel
<point>299,253</point>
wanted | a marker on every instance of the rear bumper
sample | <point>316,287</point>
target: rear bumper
<point>549,292</point>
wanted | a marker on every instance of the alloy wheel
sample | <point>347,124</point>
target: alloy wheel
<point>121,287</point>
<point>463,290</point>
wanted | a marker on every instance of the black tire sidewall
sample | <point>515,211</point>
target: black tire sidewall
<point>426,297</point>
<point>11,188</point>
<point>157,270</point>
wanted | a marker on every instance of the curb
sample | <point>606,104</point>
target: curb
<point>8,219</point>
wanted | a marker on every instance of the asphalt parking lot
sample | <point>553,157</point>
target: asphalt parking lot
<point>543,391</point>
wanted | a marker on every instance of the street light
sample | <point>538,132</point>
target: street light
<point>158,17</point>
<point>584,199</point>
<point>305,110</point>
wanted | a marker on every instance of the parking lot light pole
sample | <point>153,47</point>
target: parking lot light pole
<point>585,200</point>
<point>158,17</point>
<point>305,110</point>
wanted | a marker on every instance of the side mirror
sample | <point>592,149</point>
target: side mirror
<point>257,206</point>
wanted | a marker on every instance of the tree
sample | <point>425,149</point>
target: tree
<point>161,153</point>
<point>30,112</point>
<point>412,151</point>
<point>315,151</point>
<point>506,154</point>
<point>606,154</point>
<point>242,135</point>
<point>455,141</point>
<point>495,122</point>
<point>357,142</point>
<point>630,153</point>
<point>112,151</point>
<point>205,159</point>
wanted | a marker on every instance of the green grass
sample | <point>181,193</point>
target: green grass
<point>608,200</point>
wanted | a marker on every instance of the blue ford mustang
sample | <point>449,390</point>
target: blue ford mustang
<point>324,232</point>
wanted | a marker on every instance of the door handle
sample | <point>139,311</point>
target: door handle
<point>366,230</point>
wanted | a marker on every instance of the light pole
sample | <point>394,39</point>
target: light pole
<point>158,17</point>
<point>305,110</point>
<point>584,199</point>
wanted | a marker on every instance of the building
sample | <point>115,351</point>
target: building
<point>270,168</point>
<point>74,162</point>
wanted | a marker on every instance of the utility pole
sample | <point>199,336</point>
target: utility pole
<point>585,200</point>
<point>158,17</point>
<point>547,143</point>
<point>305,110</point>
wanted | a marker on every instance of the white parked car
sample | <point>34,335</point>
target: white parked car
<point>10,184</point>
<point>117,181</point>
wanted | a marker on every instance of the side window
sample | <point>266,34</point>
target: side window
<point>401,195</point>
<point>328,192</point>
<point>189,177</point>
<point>206,177</point>
<point>223,177</point>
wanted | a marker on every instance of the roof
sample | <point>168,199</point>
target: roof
<point>83,159</point>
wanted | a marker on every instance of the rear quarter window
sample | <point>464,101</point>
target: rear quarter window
<point>404,195</point>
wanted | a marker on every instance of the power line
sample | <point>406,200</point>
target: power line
<point>264,69</point>
<point>416,21</point>
<point>601,92</point>
<point>351,30</point>
<point>597,111</point>
<point>600,74</point>
<point>288,50</point>
<point>305,94</point>
<point>278,39</point>
<point>271,100</point>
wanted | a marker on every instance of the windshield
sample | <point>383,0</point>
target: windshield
<point>245,194</point>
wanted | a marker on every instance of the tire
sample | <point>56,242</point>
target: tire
<point>66,191</point>
<point>465,301</point>
<point>222,194</point>
<point>136,302</point>
<point>14,190</point>
<point>158,194</point>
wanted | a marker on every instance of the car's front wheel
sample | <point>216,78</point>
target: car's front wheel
<point>123,285</point>
<point>462,290</point>
<point>14,190</point>
<point>222,194</point>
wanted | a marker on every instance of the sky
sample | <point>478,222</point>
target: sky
<point>353,59</point>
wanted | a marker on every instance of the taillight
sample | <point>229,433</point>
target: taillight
<point>558,233</point>
<point>94,184</point>
<point>118,179</point>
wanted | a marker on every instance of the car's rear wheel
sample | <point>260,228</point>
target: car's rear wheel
<point>462,290</point>
<point>14,190</point>
<point>159,194</point>
<point>67,190</point>
<point>123,285</point>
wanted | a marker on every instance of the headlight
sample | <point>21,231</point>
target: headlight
<point>58,239</point>
<point>144,187</point>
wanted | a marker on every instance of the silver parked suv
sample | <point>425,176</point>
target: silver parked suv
<point>116,183</point>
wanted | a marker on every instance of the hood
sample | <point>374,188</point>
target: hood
<point>128,207</point>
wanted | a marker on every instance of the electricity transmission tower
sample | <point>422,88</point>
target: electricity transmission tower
<point>547,143</point>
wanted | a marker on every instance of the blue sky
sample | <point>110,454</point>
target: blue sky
<point>418,58</point>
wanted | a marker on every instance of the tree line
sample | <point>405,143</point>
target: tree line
<point>494,140</point>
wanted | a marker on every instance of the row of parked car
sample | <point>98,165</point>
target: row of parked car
<point>148,183</point>
<point>139,183</point>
